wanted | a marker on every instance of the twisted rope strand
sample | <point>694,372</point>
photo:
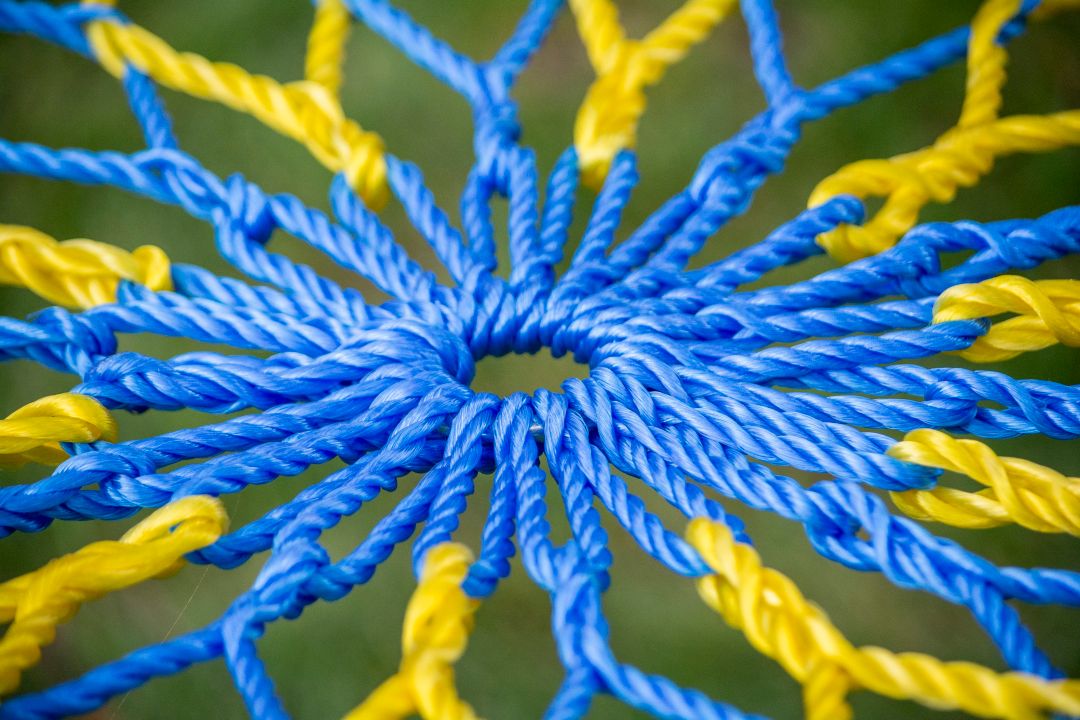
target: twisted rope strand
<point>1016,490</point>
<point>608,117</point>
<point>33,433</point>
<point>326,46</point>
<point>76,273</point>
<point>35,603</point>
<point>1048,310</point>
<point>959,158</point>
<point>306,111</point>
<point>780,623</point>
<point>438,622</point>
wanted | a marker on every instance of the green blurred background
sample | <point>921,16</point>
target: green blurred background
<point>336,653</point>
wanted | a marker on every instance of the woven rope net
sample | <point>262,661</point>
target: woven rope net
<point>702,383</point>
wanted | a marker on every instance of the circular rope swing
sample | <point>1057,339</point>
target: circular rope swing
<point>698,386</point>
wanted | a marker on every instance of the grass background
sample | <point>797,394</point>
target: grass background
<point>328,660</point>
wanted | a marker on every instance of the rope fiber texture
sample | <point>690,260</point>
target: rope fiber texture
<point>699,385</point>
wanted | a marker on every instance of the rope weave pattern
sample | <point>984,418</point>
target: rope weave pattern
<point>698,386</point>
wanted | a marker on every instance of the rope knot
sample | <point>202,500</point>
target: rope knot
<point>184,180</point>
<point>283,582</point>
<point>105,466</point>
<point>742,162</point>
<point>86,338</point>
<point>781,623</point>
<point>777,620</point>
<point>608,117</point>
<point>341,144</point>
<point>497,133</point>
<point>958,158</point>
<point>364,165</point>
<point>248,210</point>
<point>307,110</point>
<point>498,121</point>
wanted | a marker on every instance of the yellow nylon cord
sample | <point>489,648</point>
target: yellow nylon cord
<point>306,111</point>
<point>782,624</point>
<point>959,158</point>
<point>986,63</point>
<point>1048,312</point>
<point>608,117</point>
<point>76,273</point>
<point>36,603</point>
<point>437,625</point>
<point>1017,491</point>
<point>33,432</point>
<point>326,45</point>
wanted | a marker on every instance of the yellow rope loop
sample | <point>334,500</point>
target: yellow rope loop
<point>33,433</point>
<point>1018,491</point>
<point>905,192</point>
<point>305,111</point>
<point>36,603</point>
<point>76,273</point>
<point>782,624</point>
<point>906,197</point>
<point>438,622</point>
<point>959,158</point>
<point>326,45</point>
<point>608,117</point>
<point>1048,312</point>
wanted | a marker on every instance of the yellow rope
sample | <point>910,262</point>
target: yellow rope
<point>437,625</point>
<point>36,603</point>
<point>959,158</point>
<point>326,45</point>
<point>608,117</point>
<point>782,624</point>
<point>1017,491</point>
<point>33,432</point>
<point>307,110</point>
<point>1048,312</point>
<point>986,63</point>
<point>76,273</point>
